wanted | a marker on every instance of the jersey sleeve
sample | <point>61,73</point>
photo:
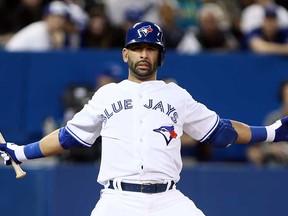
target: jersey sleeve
<point>86,125</point>
<point>199,120</point>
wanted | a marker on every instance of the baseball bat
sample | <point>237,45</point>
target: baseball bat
<point>19,172</point>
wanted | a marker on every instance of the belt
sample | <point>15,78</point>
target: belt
<point>143,188</point>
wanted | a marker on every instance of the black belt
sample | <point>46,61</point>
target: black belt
<point>143,188</point>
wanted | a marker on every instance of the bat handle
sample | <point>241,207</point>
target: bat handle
<point>19,172</point>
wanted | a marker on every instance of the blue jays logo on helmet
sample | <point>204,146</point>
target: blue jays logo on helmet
<point>147,32</point>
<point>167,132</point>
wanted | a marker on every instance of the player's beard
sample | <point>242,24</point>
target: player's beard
<point>140,73</point>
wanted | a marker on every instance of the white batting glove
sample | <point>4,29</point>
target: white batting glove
<point>14,151</point>
<point>278,131</point>
<point>6,158</point>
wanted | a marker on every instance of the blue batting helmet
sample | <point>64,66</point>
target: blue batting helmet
<point>147,32</point>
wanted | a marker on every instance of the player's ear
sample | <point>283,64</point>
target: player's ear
<point>125,55</point>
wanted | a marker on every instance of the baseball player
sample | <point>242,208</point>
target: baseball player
<point>141,120</point>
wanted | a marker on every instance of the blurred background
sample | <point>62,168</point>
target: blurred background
<point>231,55</point>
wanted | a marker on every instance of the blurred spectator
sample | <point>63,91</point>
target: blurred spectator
<point>212,35</point>
<point>115,10</point>
<point>272,153</point>
<point>47,34</point>
<point>98,33</point>
<point>269,38</point>
<point>169,12</point>
<point>232,14</point>
<point>221,11</point>
<point>214,29</point>
<point>76,25</point>
<point>252,16</point>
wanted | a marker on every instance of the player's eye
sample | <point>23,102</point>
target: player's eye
<point>135,48</point>
<point>152,49</point>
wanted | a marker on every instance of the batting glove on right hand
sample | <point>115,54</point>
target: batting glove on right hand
<point>278,131</point>
<point>12,150</point>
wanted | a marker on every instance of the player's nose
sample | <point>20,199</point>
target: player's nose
<point>144,53</point>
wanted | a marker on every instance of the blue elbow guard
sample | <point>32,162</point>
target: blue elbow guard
<point>66,140</point>
<point>223,135</point>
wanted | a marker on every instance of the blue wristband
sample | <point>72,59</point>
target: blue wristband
<point>258,134</point>
<point>33,151</point>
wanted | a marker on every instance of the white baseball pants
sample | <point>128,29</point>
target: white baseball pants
<point>122,203</point>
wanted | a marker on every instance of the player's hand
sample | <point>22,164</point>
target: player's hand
<point>6,158</point>
<point>281,129</point>
<point>11,150</point>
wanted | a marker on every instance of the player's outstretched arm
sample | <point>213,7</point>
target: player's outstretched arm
<point>52,144</point>
<point>47,146</point>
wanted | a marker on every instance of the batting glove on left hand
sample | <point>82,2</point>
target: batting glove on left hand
<point>12,150</point>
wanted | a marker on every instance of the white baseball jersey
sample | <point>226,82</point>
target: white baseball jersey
<point>141,125</point>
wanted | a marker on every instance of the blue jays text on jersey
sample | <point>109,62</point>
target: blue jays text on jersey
<point>126,104</point>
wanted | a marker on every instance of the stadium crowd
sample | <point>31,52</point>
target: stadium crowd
<point>190,26</point>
